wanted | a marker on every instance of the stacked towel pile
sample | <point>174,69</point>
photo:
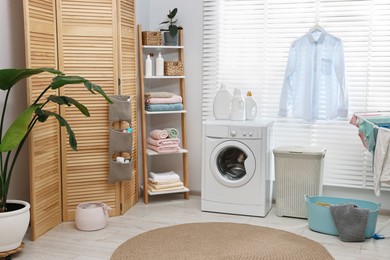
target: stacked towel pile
<point>164,141</point>
<point>165,181</point>
<point>163,101</point>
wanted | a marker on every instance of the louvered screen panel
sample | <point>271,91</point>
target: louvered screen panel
<point>88,48</point>
<point>45,176</point>
<point>127,70</point>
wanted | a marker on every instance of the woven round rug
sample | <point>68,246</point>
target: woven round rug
<point>216,240</point>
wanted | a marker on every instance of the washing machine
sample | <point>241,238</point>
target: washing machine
<point>236,167</point>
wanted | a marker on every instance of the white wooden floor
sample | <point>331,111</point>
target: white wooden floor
<point>66,242</point>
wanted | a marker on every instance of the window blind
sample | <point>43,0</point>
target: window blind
<point>246,45</point>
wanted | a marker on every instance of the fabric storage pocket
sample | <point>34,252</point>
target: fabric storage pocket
<point>326,66</point>
<point>120,142</point>
<point>120,109</point>
<point>120,171</point>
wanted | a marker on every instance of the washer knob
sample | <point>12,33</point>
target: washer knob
<point>233,133</point>
<point>250,133</point>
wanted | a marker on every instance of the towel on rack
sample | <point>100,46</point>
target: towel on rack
<point>162,142</point>
<point>350,221</point>
<point>164,176</point>
<point>159,134</point>
<point>172,132</point>
<point>164,107</point>
<point>170,100</point>
<point>159,94</point>
<point>381,159</point>
<point>164,148</point>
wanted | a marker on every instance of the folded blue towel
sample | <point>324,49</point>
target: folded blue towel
<point>164,107</point>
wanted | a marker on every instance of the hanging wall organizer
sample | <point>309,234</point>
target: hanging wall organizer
<point>121,139</point>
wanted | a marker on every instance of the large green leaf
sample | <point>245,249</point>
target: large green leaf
<point>9,77</point>
<point>173,30</point>
<point>63,122</point>
<point>17,130</point>
<point>92,87</point>
<point>172,13</point>
<point>64,100</point>
<point>63,80</point>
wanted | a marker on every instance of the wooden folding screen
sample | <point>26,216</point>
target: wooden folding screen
<point>95,40</point>
<point>127,74</point>
<point>45,168</point>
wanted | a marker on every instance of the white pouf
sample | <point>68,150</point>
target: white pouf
<point>91,216</point>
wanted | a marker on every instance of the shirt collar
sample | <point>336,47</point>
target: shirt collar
<point>320,39</point>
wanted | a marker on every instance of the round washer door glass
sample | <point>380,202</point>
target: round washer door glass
<point>232,163</point>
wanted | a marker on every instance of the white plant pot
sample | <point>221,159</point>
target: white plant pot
<point>13,226</point>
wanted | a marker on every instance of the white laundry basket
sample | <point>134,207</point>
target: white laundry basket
<point>298,172</point>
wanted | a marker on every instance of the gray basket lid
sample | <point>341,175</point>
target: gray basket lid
<point>306,150</point>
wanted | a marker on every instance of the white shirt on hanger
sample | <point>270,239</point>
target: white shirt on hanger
<point>314,83</point>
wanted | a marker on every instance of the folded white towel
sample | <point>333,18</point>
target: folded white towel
<point>164,176</point>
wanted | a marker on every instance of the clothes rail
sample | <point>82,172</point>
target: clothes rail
<point>374,132</point>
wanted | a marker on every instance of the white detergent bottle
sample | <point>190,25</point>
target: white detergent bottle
<point>250,106</point>
<point>159,65</point>
<point>148,66</point>
<point>237,112</point>
<point>222,102</point>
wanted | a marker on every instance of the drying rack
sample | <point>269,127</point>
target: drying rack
<point>373,123</point>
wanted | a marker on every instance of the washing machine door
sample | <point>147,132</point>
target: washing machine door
<point>232,163</point>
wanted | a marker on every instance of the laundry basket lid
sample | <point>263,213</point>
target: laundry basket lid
<point>306,150</point>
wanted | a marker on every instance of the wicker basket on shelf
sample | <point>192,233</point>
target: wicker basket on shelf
<point>151,38</point>
<point>173,68</point>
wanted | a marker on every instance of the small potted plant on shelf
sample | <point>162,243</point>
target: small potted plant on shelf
<point>14,214</point>
<point>170,34</point>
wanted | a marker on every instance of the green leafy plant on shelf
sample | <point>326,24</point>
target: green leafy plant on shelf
<point>172,27</point>
<point>12,141</point>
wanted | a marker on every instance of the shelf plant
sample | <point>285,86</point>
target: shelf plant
<point>171,38</point>
<point>14,138</point>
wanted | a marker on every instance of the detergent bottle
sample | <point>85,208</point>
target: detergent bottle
<point>222,102</point>
<point>148,66</point>
<point>250,106</point>
<point>159,65</point>
<point>237,112</point>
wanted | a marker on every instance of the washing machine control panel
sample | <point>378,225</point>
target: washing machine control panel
<point>244,132</point>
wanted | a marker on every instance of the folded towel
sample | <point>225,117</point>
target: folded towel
<point>150,180</point>
<point>350,221</point>
<point>166,189</point>
<point>164,107</point>
<point>172,132</point>
<point>177,184</point>
<point>164,176</point>
<point>159,134</point>
<point>159,94</point>
<point>170,100</point>
<point>162,142</point>
<point>164,148</point>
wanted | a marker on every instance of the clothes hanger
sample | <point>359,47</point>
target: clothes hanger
<point>316,27</point>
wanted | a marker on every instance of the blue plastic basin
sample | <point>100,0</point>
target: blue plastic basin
<point>320,218</point>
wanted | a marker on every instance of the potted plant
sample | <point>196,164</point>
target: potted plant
<point>170,34</point>
<point>14,214</point>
